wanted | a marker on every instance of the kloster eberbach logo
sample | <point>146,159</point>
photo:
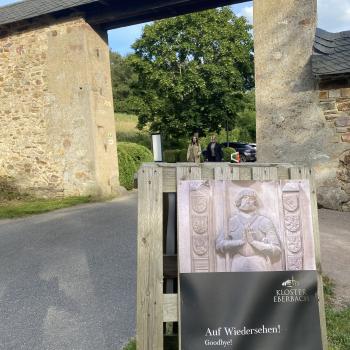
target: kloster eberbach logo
<point>290,293</point>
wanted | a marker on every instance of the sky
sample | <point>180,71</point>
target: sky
<point>333,15</point>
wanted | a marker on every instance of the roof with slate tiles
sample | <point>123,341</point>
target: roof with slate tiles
<point>108,14</point>
<point>331,53</point>
<point>28,9</point>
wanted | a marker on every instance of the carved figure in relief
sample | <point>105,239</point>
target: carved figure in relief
<point>252,240</point>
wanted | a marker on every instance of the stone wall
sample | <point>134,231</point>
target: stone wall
<point>291,125</point>
<point>58,133</point>
<point>334,97</point>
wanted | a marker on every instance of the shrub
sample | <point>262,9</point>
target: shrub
<point>177,155</point>
<point>183,155</point>
<point>227,153</point>
<point>130,157</point>
<point>171,156</point>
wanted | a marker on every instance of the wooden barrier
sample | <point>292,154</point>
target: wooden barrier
<point>157,259</point>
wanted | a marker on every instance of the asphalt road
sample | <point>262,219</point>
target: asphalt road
<point>68,278</point>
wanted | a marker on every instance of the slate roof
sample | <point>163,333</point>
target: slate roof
<point>34,8</point>
<point>331,53</point>
<point>108,14</point>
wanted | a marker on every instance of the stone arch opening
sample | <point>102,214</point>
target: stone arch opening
<point>56,91</point>
<point>57,101</point>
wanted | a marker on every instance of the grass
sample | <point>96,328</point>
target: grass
<point>126,123</point>
<point>25,206</point>
<point>131,345</point>
<point>128,132</point>
<point>338,320</point>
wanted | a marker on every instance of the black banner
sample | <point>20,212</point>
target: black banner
<point>250,311</point>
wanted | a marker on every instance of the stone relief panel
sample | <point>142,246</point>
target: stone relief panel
<point>199,226</point>
<point>229,226</point>
<point>292,225</point>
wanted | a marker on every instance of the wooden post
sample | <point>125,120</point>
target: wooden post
<point>150,259</point>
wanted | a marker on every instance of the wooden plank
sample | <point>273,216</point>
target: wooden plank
<point>307,174</point>
<point>150,260</point>
<point>170,309</point>
<point>228,172</point>
<point>283,172</point>
<point>300,172</point>
<point>188,173</point>
<point>207,172</point>
<point>169,179</point>
<point>260,173</point>
<point>245,173</point>
<point>185,173</point>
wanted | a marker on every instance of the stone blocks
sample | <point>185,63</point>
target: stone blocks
<point>296,121</point>
<point>56,96</point>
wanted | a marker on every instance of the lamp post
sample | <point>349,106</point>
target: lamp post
<point>157,147</point>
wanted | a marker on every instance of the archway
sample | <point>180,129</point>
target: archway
<point>57,99</point>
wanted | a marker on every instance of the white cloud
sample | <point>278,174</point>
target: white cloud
<point>248,13</point>
<point>334,15</point>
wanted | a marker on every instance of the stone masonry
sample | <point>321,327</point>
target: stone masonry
<point>334,99</point>
<point>58,133</point>
<point>291,122</point>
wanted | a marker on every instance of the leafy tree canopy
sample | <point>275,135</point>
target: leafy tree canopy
<point>193,72</point>
<point>123,78</point>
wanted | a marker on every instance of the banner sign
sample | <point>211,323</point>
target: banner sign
<point>248,278</point>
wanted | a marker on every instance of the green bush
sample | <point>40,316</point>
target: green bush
<point>176,155</point>
<point>171,156</point>
<point>227,153</point>
<point>130,157</point>
<point>183,155</point>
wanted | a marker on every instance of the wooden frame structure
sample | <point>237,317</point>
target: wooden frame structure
<point>154,267</point>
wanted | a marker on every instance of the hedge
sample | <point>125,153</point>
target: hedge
<point>130,157</point>
<point>171,156</point>
<point>177,155</point>
<point>227,153</point>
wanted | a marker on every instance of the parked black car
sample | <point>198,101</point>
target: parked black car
<point>246,152</point>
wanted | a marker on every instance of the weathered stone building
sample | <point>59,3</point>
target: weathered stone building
<point>302,95</point>
<point>57,126</point>
<point>331,68</point>
<point>57,135</point>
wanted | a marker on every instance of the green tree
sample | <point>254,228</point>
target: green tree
<point>193,72</point>
<point>123,77</point>
<point>246,119</point>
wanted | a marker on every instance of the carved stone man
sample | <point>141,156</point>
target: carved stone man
<point>252,240</point>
